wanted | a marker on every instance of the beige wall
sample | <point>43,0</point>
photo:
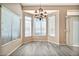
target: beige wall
<point>62,17</point>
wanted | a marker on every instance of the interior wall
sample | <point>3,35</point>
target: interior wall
<point>11,46</point>
<point>62,17</point>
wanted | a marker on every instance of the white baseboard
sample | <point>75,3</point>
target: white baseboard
<point>62,44</point>
<point>34,40</point>
<point>74,45</point>
<point>54,42</point>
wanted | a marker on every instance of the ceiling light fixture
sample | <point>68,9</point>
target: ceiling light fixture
<point>40,13</point>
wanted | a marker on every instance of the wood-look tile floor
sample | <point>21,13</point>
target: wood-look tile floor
<point>45,49</point>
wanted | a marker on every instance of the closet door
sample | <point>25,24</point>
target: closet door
<point>73,30</point>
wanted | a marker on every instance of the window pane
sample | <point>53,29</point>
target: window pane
<point>27,26</point>
<point>39,27</point>
<point>5,25</point>
<point>36,27</point>
<point>51,25</point>
<point>15,26</point>
<point>43,25</point>
<point>10,25</point>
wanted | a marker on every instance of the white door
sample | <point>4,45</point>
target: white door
<point>72,30</point>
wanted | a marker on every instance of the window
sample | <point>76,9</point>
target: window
<point>27,26</point>
<point>51,25</point>
<point>5,23</point>
<point>39,27</point>
<point>10,25</point>
<point>15,26</point>
<point>43,24</point>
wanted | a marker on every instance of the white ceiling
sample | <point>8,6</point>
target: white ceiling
<point>43,3</point>
<point>46,4</point>
<point>48,11</point>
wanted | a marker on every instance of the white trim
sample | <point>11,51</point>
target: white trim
<point>73,45</point>
<point>35,40</point>
<point>76,45</point>
<point>62,44</point>
<point>72,12</point>
<point>53,42</point>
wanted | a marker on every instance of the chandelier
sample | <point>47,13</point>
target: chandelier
<point>40,13</point>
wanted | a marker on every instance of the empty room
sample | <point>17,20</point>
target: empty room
<point>39,29</point>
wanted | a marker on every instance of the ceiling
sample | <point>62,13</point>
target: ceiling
<point>48,11</point>
<point>43,3</point>
<point>47,4</point>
